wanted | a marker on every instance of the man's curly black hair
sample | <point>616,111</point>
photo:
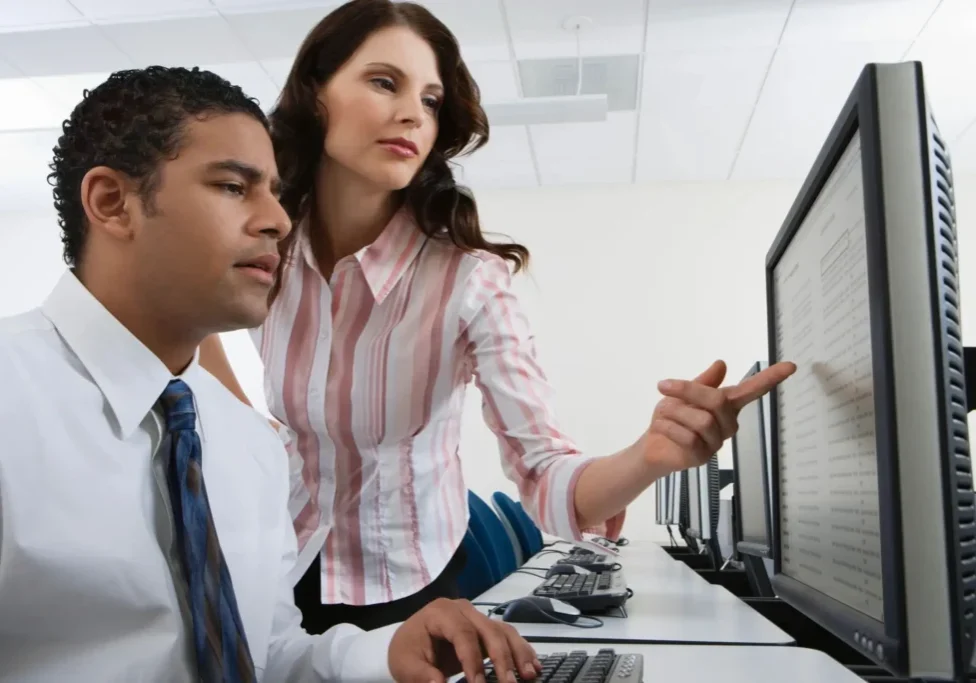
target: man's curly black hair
<point>132,123</point>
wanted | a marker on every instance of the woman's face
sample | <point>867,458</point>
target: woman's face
<point>381,108</point>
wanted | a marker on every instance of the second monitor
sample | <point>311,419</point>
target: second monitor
<point>874,530</point>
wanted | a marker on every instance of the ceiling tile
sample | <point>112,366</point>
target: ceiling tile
<point>537,27</point>
<point>127,10</point>
<point>62,51</point>
<point>7,70</point>
<point>601,152</point>
<point>504,162</point>
<point>496,80</point>
<point>278,69</point>
<point>34,108</point>
<point>179,42</point>
<point>694,112</point>
<point>267,5</point>
<point>963,153</point>
<point>23,175</point>
<point>711,24</point>
<point>18,14</point>
<point>802,97</point>
<point>276,35</point>
<point>953,18</point>
<point>67,91</point>
<point>820,21</point>
<point>477,24</point>
<point>948,62</point>
<point>252,78</point>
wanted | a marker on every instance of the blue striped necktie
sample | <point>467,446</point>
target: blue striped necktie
<point>218,636</point>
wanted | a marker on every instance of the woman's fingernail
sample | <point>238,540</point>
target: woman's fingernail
<point>665,385</point>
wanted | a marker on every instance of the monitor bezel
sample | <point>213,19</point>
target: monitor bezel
<point>751,547</point>
<point>882,641</point>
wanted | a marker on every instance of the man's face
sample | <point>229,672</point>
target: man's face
<point>206,246</point>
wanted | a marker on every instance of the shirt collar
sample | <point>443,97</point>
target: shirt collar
<point>385,261</point>
<point>129,375</point>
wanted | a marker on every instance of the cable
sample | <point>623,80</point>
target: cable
<point>525,570</point>
<point>549,545</point>
<point>554,552</point>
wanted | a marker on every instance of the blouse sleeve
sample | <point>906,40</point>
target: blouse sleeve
<point>517,404</point>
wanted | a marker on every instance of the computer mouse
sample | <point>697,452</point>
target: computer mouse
<point>533,609</point>
<point>564,569</point>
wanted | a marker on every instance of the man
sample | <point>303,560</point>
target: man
<point>143,508</point>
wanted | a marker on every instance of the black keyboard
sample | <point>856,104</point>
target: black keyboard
<point>594,592</point>
<point>587,559</point>
<point>577,667</point>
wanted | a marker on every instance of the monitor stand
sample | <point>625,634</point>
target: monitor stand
<point>758,578</point>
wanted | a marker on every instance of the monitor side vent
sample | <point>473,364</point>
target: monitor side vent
<point>713,474</point>
<point>683,512</point>
<point>954,369</point>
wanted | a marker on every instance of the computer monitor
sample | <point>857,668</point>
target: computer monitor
<point>752,500</point>
<point>660,501</point>
<point>875,531</point>
<point>674,497</point>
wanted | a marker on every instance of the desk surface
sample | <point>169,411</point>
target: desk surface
<point>671,604</point>
<point>712,663</point>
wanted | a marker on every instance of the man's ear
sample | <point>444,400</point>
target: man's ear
<point>108,198</point>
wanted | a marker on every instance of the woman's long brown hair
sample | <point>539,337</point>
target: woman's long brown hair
<point>442,208</point>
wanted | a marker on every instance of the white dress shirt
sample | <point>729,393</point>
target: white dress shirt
<point>90,580</point>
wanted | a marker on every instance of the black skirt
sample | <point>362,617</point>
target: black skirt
<point>319,618</point>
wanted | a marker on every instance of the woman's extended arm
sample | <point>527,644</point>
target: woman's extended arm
<point>556,482</point>
<point>565,492</point>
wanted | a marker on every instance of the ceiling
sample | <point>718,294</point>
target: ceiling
<point>727,89</point>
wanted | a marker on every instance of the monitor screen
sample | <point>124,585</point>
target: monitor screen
<point>675,498</point>
<point>828,478</point>
<point>750,451</point>
<point>694,502</point>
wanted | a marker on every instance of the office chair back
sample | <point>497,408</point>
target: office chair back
<point>490,533</point>
<point>512,536</point>
<point>528,534</point>
<point>477,575</point>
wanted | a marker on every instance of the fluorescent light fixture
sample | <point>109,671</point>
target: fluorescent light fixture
<point>559,109</point>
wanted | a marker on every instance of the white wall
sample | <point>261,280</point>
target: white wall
<point>629,285</point>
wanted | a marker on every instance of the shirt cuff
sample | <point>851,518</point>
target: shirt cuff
<point>611,528</point>
<point>365,655</point>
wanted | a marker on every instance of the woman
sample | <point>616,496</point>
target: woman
<point>389,301</point>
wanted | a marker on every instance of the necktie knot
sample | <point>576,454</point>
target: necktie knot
<point>178,409</point>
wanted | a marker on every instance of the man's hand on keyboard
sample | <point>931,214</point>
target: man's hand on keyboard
<point>448,637</point>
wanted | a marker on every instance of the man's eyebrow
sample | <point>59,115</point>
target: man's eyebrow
<point>398,72</point>
<point>252,174</point>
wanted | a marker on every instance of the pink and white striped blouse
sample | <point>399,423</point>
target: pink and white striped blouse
<point>369,372</point>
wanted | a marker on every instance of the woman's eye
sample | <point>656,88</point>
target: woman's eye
<point>432,103</point>
<point>384,83</point>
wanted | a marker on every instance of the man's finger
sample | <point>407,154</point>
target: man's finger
<point>714,375</point>
<point>467,646</point>
<point>525,656</point>
<point>759,384</point>
<point>510,653</point>
<point>426,673</point>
